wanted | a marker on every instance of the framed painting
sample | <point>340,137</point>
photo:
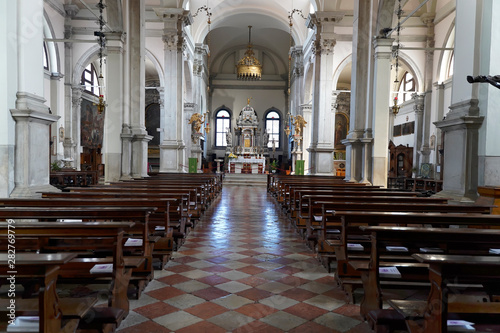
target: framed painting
<point>341,129</point>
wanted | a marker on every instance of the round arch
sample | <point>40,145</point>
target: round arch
<point>52,48</point>
<point>157,65</point>
<point>340,68</point>
<point>445,57</point>
<point>308,83</point>
<point>89,56</point>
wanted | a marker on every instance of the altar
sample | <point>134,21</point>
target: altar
<point>249,153</point>
<point>243,164</point>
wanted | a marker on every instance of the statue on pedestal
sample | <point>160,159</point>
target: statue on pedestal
<point>265,139</point>
<point>229,138</point>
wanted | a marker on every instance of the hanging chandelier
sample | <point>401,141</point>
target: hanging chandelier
<point>101,104</point>
<point>249,68</point>
<point>399,12</point>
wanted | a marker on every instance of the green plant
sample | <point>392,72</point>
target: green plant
<point>273,165</point>
<point>55,166</point>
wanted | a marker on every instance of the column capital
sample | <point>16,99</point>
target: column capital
<point>428,19</point>
<point>418,107</point>
<point>383,47</point>
<point>317,19</point>
<point>71,10</point>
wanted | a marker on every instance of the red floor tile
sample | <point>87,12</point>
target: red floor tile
<point>165,293</point>
<point>154,310</point>
<point>174,279</point>
<point>256,310</point>
<point>206,310</point>
<point>210,293</point>
<point>202,327</point>
<point>306,311</point>
<point>255,294</point>
<point>213,280</point>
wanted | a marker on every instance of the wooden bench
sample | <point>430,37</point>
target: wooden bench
<point>179,218</point>
<point>415,239</point>
<point>448,241</point>
<point>91,243</point>
<point>351,233</point>
<point>140,215</point>
<point>160,219</point>
<point>42,268</point>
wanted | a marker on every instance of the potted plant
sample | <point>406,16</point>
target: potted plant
<point>55,166</point>
<point>273,166</point>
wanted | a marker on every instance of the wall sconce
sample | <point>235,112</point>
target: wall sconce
<point>395,107</point>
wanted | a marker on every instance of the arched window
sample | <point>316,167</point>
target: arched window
<point>273,128</point>
<point>45,57</point>
<point>450,65</point>
<point>222,124</point>
<point>406,87</point>
<point>90,81</point>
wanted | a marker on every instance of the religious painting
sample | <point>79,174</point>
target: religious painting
<point>341,128</point>
<point>92,125</point>
<point>153,123</point>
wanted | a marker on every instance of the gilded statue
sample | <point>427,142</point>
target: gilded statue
<point>196,120</point>
<point>299,123</point>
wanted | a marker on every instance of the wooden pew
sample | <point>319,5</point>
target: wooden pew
<point>44,269</point>
<point>85,240</point>
<point>178,216</point>
<point>140,215</point>
<point>350,232</point>
<point>322,215</point>
<point>449,241</point>
<point>160,218</point>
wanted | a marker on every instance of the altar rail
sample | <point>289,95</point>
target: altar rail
<point>63,179</point>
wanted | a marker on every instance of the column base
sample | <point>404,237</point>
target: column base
<point>32,191</point>
<point>456,197</point>
<point>172,157</point>
<point>321,161</point>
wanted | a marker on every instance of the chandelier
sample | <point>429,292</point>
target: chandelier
<point>249,68</point>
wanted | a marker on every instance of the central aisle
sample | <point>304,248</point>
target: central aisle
<point>243,269</point>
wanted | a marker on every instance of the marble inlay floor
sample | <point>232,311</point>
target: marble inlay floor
<point>243,269</point>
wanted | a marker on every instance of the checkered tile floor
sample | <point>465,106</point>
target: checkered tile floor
<point>243,269</point>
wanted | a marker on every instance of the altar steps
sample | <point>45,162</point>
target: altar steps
<point>239,179</point>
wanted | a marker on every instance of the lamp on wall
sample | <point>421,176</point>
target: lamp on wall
<point>395,107</point>
<point>101,104</point>
<point>249,68</point>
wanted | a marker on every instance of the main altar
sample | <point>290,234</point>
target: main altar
<point>249,153</point>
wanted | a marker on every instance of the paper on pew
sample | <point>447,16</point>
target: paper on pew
<point>396,249</point>
<point>160,228</point>
<point>389,272</point>
<point>355,247</point>
<point>133,242</point>
<point>102,268</point>
<point>459,326</point>
<point>69,220</point>
<point>495,251</point>
<point>24,324</point>
<point>431,250</point>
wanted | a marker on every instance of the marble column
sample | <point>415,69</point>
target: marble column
<point>321,148</point>
<point>70,142</point>
<point>72,128</point>
<point>32,159</point>
<point>137,77</point>
<point>306,111</point>
<point>489,98</point>
<point>380,125</point>
<point>357,151</point>
<point>418,108</point>
<point>113,116</point>
<point>474,46</point>
<point>172,148</point>
<point>8,89</point>
<point>424,149</point>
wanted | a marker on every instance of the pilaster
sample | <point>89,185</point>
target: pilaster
<point>321,147</point>
<point>418,108</point>
<point>460,155</point>
<point>32,148</point>
<point>114,114</point>
<point>380,124</point>
<point>172,148</point>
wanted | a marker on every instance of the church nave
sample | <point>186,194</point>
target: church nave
<point>243,269</point>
